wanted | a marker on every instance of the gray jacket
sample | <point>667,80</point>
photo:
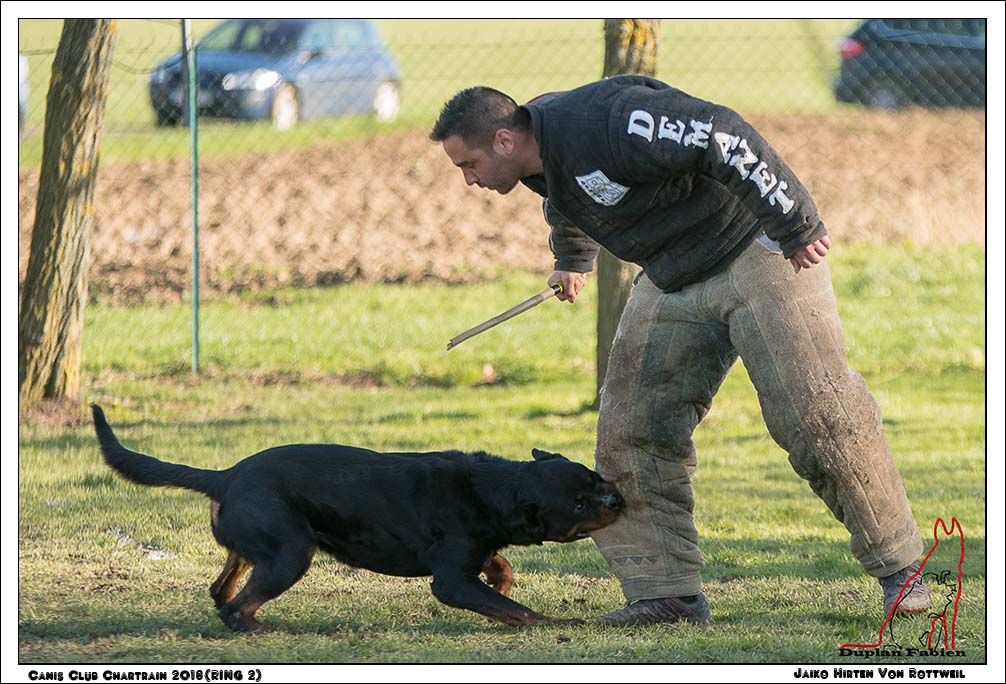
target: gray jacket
<point>673,183</point>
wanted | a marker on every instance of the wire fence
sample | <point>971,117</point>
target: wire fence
<point>315,167</point>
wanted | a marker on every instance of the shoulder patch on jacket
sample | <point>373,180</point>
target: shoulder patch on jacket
<point>601,190</point>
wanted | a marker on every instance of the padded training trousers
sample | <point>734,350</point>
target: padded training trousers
<point>672,351</point>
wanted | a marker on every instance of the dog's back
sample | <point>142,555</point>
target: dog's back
<point>378,511</point>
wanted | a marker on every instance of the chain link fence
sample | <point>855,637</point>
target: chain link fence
<point>315,167</point>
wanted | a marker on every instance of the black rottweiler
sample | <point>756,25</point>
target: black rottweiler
<point>445,514</point>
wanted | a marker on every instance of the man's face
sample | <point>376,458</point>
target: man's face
<point>490,168</point>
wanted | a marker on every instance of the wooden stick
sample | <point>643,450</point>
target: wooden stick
<point>506,315</point>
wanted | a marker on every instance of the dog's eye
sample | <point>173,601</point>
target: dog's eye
<point>580,505</point>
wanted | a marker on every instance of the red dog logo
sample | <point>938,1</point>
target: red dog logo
<point>942,631</point>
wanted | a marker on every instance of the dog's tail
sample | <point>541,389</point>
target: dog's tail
<point>147,470</point>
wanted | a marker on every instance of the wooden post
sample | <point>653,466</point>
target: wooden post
<point>630,47</point>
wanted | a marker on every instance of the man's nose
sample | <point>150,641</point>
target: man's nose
<point>470,178</point>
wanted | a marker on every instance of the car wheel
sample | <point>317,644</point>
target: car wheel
<point>285,108</point>
<point>168,118</point>
<point>884,96</point>
<point>386,102</point>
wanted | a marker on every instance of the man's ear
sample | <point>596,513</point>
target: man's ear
<point>540,455</point>
<point>504,142</point>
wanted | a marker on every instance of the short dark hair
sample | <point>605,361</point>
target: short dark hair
<point>475,114</point>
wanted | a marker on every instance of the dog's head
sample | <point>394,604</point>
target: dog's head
<point>563,501</point>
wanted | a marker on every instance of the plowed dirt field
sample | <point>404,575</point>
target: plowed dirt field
<point>394,209</point>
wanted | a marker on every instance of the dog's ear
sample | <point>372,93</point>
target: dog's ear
<point>540,455</point>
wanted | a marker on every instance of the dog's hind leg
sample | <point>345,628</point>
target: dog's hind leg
<point>270,578</point>
<point>499,574</point>
<point>225,586</point>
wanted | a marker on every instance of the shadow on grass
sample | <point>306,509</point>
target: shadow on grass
<point>76,440</point>
<point>84,438</point>
<point>419,416</point>
<point>545,412</point>
<point>728,560</point>
<point>92,481</point>
<point>99,624</point>
<point>196,425</point>
<point>733,559</point>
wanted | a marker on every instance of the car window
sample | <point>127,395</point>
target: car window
<point>318,36</point>
<point>954,27</point>
<point>223,37</point>
<point>372,35</point>
<point>975,27</point>
<point>350,35</point>
<point>270,36</point>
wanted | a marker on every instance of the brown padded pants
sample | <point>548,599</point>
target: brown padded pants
<point>672,351</point>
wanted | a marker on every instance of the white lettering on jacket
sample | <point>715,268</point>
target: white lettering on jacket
<point>641,123</point>
<point>734,152</point>
<point>699,137</point>
<point>785,203</point>
<point>763,178</point>
<point>675,131</point>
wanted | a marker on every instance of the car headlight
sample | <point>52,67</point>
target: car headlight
<point>259,79</point>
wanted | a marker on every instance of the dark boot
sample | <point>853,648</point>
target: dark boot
<point>692,609</point>
<point>913,597</point>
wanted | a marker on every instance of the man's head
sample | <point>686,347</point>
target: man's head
<point>488,137</point>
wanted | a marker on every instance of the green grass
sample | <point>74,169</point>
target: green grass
<point>783,585</point>
<point>755,66</point>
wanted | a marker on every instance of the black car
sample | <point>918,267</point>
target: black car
<point>894,63</point>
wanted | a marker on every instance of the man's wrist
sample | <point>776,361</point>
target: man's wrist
<point>571,265</point>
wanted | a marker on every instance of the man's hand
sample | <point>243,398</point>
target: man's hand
<point>571,284</point>
<point>811,254</point>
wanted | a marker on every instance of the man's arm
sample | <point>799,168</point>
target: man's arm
<point>574,253</point>
<point>657,133</point>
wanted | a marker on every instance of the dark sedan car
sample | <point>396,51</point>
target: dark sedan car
<point>894,63</point>
<point>285,70</point>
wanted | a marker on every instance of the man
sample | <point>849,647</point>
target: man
<point>695,196</point>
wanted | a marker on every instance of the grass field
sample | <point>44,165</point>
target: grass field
<point>726,61</point>
<point>111,572</point>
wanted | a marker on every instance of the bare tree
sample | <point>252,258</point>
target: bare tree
<point>55,287</point>
<point>630,47</point>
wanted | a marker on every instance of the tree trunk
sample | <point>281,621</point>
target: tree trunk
<point>630,47</point>
<point>55,286</point>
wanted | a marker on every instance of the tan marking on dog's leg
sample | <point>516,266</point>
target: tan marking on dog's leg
<point>270,578</point>
<point>499,574</point>
<point>224,587</point>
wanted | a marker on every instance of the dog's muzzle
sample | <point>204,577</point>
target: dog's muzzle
<point>612,501</point>
<point>611,505</point>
